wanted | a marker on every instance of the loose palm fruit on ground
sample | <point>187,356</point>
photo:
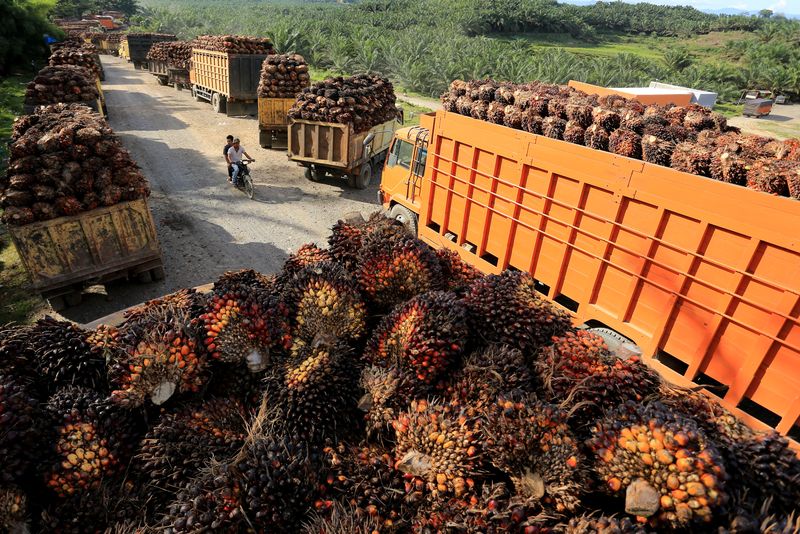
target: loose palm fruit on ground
<point>313,396</point>
<point>64,358</point>
<point>531,441</point>
<point>394,266</point>
<point>347,238</point>
<point>326,306</point>
<point>20,419</point>
<point>426,335</point>
<point>668,452</point>
<point>178,446</point>
<point>505,308</point>
<point>578,367</point>
<point>363,479</point>
<point>387,392</point>
<point>439,447</point>
<point>625,143</point>
<point>92,440</point>
<point>13,510</point>
<point>487,373</point>
<point>456,273</point>
<point>211,503</point>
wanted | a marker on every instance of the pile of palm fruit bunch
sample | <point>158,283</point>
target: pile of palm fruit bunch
<point>63,83</point>
<point>176,54</point>
<point>365,100</point>
<point>65,159</point>
<point>690,139</point>
<point>283,76</point>
<point>235,44</point>
<point>114,37</point>
<point>373,386</point>
<point>76,52</point>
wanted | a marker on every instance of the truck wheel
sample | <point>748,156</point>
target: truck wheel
<point>162,80</point>
<point>158,273</point>
<point>196,95</point>
<point>362,180</point>
<point>404,216</point>
<point>314,175</point>
<point>177,86</point>
<point>265,137</point>
<point>218,102</point>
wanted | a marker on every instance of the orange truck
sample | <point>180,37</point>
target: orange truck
<point>699,276</point>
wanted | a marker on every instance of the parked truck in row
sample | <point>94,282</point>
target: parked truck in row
<point>166,75</point>
<point>701,276</point>
<point>138,45</point>
<point>228,81</point>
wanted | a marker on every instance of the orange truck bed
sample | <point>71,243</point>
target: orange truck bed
<point>704,276</point>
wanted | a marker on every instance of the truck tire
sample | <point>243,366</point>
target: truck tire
<point>218,102</point>
<point>196,95</point>
<point>162,80</point>
<point>404,216</point>
<point>314,175</point>
<point>619,345</point>
<point>362,179</point>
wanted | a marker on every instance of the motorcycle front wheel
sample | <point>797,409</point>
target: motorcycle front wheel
<point>248,187</point>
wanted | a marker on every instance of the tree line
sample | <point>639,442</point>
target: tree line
<point>23,25</point>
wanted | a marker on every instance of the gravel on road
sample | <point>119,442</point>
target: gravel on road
<point>206,226</point>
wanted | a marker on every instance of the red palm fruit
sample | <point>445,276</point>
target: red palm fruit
<point>347,237</point>
<point>505,308</point>
<point>426,335</point>
<point>387,391</point>
<point>306,256</point>
<point>487,373</point>
<point>456,273</point>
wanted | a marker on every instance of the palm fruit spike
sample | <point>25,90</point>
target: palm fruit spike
<point>160,357</point>
<point>394,266</point>
<point>487,373</point>
<point>657,151</point>
<point>387,391</point>
<point>692,158</point>
<point>188,300</point>
<point>505,308</point>
<point>92,441</point>
<point>574,133</point>
<point>19,426</point>
<point>339,519</point>
<point>531,441</point>
<point>437,446</point>
<point>64,358</point>
<point>248,278</point>
<point>326,306</point>
<point>596,137</point>
<point>347,238</point>
<point>668,453</point>
<point>772,176</point>
<point>313,396</point>
<point>364,479</point>
<point>16,356</point>
<point>457,274</point>
<point>578,367</point>
<point>182,442</point>
<point>211,503</point>
<point>305,256</point>
<point>601,524</point>
<point>279,477</point>
<point>13,510</point>
<point>625,143</point>
<point>426,335</point>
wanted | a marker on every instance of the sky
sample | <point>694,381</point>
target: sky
<point>778,6</point>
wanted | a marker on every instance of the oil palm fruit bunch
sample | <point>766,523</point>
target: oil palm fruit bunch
<point>394,266</point>
<point>92,510</point>
<point>625,143</point>
<point>305,256</point>
<point>248,278</point>
<point>438,448</point>
<point>530,440</point>
<point>657,150</point>
<point>728,164</point>
<point>20,431</point>
<point>456,273</point>
<point>426,335</point>
<point>596,137</point>
<point>387,392</point>
<point>189,301</point>
<point>16,356</point>
<point>340,518</point>
<point>161,356</point>
<point>63,356</point>
<point>234,44</point>
<point>606,119</point>
<point>578,367</point>
<point>236,381</point>
<point>279,477</point>
<point>602,524</point>
<point>213,502</point>
<point>182,442</point>
<point>326,306</point>
<point>574,133</point>
<point>487,373</point>
<point>554,126</point>
<point>314,395</point>
<point>13,510</point>
<point>678,473</point>
<point>363,479</point>
<point>92,440</point>
<point>505,308</point>
<point>64,83</point>
<point>772,176</point>
<point>692,158</point>
<point>347,238</point>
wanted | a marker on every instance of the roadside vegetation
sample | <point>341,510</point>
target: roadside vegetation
<point>422,45</point>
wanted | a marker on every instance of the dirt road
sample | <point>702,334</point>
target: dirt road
<point>206,226</point>
<point>782,123</point>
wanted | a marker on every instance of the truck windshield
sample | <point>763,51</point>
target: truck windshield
<point>402,152</point>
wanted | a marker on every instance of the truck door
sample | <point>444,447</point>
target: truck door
<point>405,167</point>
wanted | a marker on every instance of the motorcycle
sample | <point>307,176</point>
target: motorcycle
<point>244,181</point>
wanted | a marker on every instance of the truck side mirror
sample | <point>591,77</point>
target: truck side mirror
<point>392,161</point>
<point>368,143</point>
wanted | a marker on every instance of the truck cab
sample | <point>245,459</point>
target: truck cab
<point>403,171</point>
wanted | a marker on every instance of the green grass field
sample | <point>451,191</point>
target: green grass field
<point>12,92</point>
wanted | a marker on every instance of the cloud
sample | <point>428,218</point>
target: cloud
<point>778,6</point>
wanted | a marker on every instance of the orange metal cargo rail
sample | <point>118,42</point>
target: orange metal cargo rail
<point>704,276</point>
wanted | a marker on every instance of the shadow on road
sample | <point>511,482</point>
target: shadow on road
<point>150,108</point>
